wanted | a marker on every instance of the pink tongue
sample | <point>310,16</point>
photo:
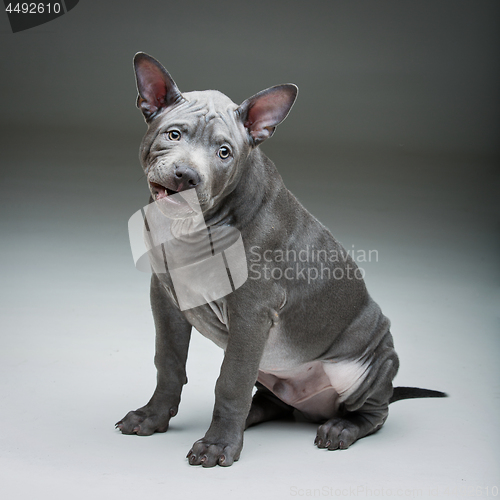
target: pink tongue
<point>162,193</point>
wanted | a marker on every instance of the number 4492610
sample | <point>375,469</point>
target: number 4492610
<point>34,8</point>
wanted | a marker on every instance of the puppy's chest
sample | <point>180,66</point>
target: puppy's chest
<point>211,320</point>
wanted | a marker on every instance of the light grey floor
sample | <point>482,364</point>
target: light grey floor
<point>77,335</point>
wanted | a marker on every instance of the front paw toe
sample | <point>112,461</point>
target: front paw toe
<point>143,423</point>
<point>131,422</point>
<point>211,454</point>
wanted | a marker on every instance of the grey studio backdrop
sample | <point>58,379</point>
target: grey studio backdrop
<point>393,144</point>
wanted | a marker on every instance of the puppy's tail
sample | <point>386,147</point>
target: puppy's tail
<point>414,392</point>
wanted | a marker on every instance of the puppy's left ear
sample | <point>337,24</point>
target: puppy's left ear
<point>157,90</point>
<point>263,112</point>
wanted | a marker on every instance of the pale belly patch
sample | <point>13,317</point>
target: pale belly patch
<point>316,388</point>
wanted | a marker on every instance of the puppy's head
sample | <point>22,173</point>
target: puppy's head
<point>201,140</point>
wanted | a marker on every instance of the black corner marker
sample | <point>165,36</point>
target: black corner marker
<point>70,4</point>
<point>25,15</point>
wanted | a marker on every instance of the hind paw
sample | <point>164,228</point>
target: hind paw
<point>336,434</point>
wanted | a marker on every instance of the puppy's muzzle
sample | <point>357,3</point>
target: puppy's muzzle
<point>183,177</point>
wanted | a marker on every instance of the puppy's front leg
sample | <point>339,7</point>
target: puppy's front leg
<point>222,444</point>
<point>173,333</point>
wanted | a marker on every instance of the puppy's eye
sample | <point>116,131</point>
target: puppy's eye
<point>224,152</point>
<point>174,135</point>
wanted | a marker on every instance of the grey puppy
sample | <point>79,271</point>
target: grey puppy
<point>321,347</point>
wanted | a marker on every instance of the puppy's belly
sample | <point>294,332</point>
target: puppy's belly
<point>315,388</point>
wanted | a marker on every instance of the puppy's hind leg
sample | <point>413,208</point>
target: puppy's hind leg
<point>266,406</point>
<point>362,415</point>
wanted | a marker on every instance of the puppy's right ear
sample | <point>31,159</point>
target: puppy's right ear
<point>155,86</point>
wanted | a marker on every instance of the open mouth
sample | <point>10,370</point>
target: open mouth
<point>160,191</point>
<point>174,204</point>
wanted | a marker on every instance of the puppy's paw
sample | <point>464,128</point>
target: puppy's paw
<point>336,434</point>
<point>208,454</point>
<point>145,421</point>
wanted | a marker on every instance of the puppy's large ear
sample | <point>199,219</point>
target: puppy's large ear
<point>155,86</point>
<point>263,112</point>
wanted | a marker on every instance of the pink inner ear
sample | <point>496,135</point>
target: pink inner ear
<point>268,111</point>
<point>263,113</point>
<point>152,85</point>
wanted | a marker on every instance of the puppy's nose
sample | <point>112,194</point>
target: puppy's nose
<point>185,177</point>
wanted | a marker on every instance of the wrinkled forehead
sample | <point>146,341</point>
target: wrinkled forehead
<point>208,109</point>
